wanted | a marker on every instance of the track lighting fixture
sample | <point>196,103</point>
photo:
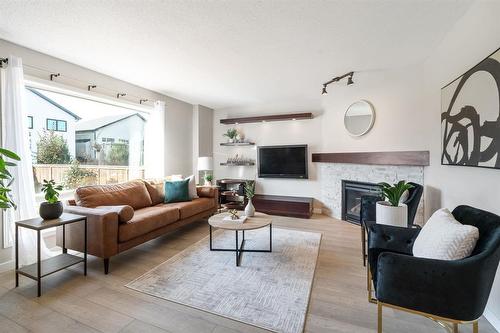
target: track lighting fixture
<point>91,86</point>
<point>52,76</point>
<point>120,95</point>
<point>337,79</point>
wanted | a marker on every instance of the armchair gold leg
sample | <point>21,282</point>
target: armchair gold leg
<point>369,285</point>
<point>379,317</point>
<point>455,328</point>
<point>475,327</point>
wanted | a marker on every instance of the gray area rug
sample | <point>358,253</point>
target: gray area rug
<point>268,290</point>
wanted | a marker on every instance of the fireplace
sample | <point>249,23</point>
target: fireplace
<point>351,198</point>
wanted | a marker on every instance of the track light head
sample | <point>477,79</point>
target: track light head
<point>349,80</point>
<point>324,92</point>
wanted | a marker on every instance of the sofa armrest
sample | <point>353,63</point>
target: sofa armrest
<point>209,192</point>
<point>448,288</point>
<point>102,231</point>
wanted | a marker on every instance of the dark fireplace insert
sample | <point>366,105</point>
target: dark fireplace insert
<point>351,198</point>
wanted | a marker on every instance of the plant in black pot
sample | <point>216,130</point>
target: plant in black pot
<point>52,208</point>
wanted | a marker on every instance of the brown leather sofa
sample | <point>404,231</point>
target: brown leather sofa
<point>121,216</point>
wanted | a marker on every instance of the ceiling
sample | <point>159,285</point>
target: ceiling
<point>232,53</point>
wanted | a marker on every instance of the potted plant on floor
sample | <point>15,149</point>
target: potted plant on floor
<point>249,193</point>
<point>231,134</point>
<point>6,178</point>
<point>52,208</point>
<point>392,211</point>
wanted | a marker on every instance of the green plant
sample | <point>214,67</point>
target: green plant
<point>51,190</point>
<point>118,154</point>
<point>52,149</point>
<point>231,133</point>
<point>209,177</point>
<point>6,178</point>
<point>77,176</point>
<point>249,189</point>
<point>394,192</point>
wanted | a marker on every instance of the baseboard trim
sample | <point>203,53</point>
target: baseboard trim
<point>492,318</point>
<point>6,266</point>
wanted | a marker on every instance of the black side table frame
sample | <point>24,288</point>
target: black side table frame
<point>54,264</point>
<point>238,249</point>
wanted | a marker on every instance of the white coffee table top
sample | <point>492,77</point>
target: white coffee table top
<point>259,220</point>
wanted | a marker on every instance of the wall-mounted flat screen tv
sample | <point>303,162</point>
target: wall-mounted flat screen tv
<point>282,161</point>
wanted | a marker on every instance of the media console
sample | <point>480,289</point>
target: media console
<point>301,207</point>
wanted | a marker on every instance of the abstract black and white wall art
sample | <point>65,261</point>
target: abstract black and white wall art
<point>470,116</point>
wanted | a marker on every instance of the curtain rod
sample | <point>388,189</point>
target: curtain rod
<point>89,86</point>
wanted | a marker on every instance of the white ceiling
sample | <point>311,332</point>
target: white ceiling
<point>232,53</point>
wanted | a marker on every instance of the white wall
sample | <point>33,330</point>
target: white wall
<point>475,36</point>
<point>264,134</point>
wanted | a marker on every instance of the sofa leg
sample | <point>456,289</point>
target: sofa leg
<point>379,317</point>
<point>106,265</point>
<point>475,327</point>
<point>455,328</point>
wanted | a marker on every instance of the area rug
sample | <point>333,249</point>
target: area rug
<point>268,290</point>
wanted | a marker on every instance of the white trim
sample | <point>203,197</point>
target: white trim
<point>60,88</point>
<point>6,266</point>
<point>493,319</point>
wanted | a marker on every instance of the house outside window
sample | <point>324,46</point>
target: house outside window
<point>56,125</point>
<point>30,122</point>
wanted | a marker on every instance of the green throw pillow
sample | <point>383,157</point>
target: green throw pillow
<point>177,190</point>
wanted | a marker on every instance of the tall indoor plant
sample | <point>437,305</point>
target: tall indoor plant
<point>249,193</point>
<point>6,178</point>
<point>393,211</point>
<point>52,208</point>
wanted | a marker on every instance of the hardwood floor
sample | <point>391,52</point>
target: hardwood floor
<point>100,303</point>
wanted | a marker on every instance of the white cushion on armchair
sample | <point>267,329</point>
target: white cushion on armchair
<point>444,238</point>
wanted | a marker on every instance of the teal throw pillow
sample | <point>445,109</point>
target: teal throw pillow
<point>177,190</point>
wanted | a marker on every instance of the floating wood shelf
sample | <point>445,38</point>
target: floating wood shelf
<point>237,164</point>
<point>419,158</point>
<point>237,143</point>
<point>274,117</point>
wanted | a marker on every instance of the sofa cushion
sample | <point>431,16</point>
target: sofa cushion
<point>193,207</point>
<point>125,213</point>
<point>156,190</point>
<point>177,190</point>
<point>146,220</point>
<point>133,194</point>
<point>444,238</point>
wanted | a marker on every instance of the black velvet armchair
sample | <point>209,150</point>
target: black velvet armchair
<point>454,291</point>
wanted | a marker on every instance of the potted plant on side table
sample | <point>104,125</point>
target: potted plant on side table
<point>52,208</point>
<point>249,193</point>
<point>208,179</point>
<point>392,211</point>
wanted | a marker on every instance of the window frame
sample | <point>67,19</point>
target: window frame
<point>58,121</point>
<point>30,123</point>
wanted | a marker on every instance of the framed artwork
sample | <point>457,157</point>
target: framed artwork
<point>470,116</point>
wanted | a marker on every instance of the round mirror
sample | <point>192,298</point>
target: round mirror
<point>359,118</point>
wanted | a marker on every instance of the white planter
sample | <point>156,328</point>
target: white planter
<point>249,209</point>
<point>391,215</point>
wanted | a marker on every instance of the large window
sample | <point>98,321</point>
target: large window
<point>84,141</point>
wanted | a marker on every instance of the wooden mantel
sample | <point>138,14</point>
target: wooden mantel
<point>419,158</point>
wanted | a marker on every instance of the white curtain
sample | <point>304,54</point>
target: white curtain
<point>15,138</point>
<point>154,142</point>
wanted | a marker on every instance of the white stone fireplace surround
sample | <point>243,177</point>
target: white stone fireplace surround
<point>332,174</point>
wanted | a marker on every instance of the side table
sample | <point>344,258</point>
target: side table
<point>54,264</point>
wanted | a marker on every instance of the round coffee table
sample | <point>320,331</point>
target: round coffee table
<point>259,220</point>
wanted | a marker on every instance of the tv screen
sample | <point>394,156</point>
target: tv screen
<point>282,161</point>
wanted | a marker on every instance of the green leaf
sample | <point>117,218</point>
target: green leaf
<point>9,154</point>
